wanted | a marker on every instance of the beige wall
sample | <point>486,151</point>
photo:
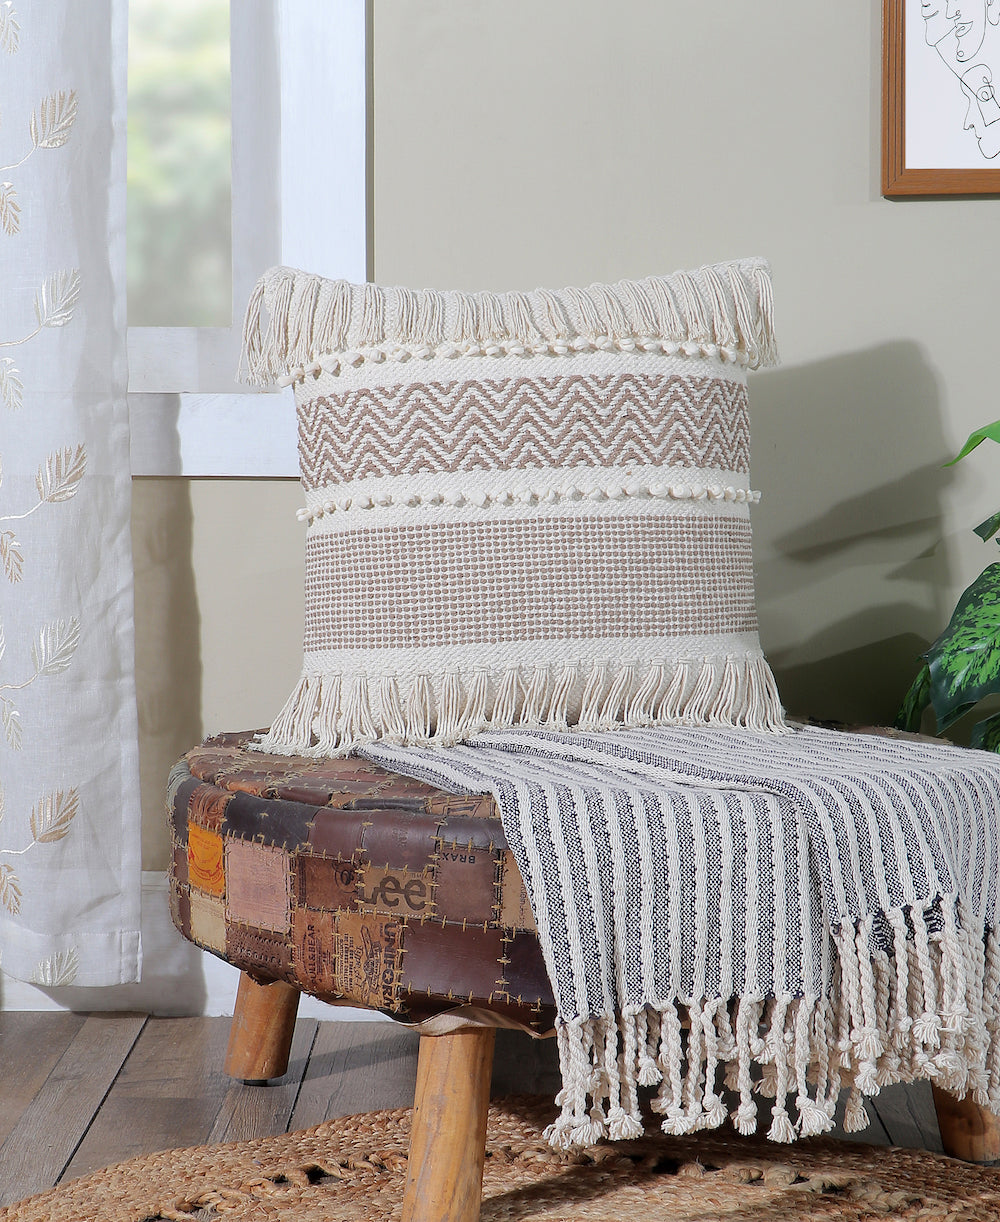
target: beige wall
<point>556,141</point>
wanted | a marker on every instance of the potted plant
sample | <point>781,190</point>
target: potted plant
<point>962,667</point>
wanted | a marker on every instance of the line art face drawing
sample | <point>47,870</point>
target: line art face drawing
<point>965,35</point>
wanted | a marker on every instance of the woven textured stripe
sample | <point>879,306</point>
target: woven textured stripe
<point>530,473</point>
<point>523,422</point>
<point>871,957</point>
<point>500,580</point>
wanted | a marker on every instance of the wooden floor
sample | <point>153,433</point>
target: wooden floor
<point>78,1092</point>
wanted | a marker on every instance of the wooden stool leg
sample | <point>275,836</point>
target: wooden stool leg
<point>968,1131</point>
<point>444,1178</point>
<point>261,1033</point>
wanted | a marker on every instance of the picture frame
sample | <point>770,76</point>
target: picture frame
<point>940,114</point>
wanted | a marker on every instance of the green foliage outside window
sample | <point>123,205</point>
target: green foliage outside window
<point>179,158</point>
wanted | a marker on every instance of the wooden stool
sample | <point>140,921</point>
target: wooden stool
<point>340,879</point>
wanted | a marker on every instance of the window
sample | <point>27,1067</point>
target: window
<point>180,182</point>
<point>299,196</point>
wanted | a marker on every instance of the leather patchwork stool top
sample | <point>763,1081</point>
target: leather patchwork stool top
<point>354,884</point>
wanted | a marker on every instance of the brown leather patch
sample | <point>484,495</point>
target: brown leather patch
<point>473,832</point>
<point>463,964</point>
<point>256,950</point>
<point>178,811</point>
<point>322,883</point>
<point>258,890</point>
<point>312,950</point>
<point>515,907</point>
<point>367,955</point>
<point>338,833</point>
<point>466,884</point>
<point>400,893</point>
<point>525,978</point>
<point>204,854</point>
<point>180,908</point>
<point>208,921</point>
<point>475,806</point>
<point>207,806</point>
<point>180,867</point>
<point>400,839</point>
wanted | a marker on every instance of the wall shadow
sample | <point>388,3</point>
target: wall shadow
<point>853,581</point>
<point>168,633</point>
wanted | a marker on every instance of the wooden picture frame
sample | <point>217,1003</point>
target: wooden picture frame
<point>962,129</point>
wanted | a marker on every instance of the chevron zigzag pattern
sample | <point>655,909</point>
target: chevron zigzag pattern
<point>603,421</point>
<point>522,509</point>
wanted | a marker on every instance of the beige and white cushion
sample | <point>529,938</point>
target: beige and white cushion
<point>521,508</point>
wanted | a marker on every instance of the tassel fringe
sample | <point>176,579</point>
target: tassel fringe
<point>869,1030</point>
<point>298,324</point>
<point>332,715</point>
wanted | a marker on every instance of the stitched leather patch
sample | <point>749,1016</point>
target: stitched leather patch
<point>461,964</point>
<point>180,908</point>
<point>313,949</point>
<point>283,824</point>
<point>466,884</point>
<point>259,950</point>
<point>367,955</point>
<point>257,885</point>
<point>180,866</point>
<point>475,806</point>
<point>204,855</point>
<point>527,981</point>
<point>207,806</point>
<point>399,839</point>
<point>321,883</point>
<point>400,893</point>
<point>337,833</point>
<point>208,921</point>
<point>515,907</point>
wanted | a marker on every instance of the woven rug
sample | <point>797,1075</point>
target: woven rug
<point>353,1170</point>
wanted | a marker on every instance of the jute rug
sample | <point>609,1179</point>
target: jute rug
<point>353,1170</point>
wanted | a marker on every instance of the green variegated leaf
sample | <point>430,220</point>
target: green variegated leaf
<point>989,432</point>
<point>915,701</point>
<point>965,659</point>
<point>986,530</point>
<point>986,734</point>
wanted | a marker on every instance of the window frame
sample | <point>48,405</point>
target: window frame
<point>300,197</point>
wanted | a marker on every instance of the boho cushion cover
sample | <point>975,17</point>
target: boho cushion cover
<point>521,508</point>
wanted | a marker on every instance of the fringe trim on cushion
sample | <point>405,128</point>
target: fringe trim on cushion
<point>925,1007</point>
<point>318,325</point>
<point>332,715</point>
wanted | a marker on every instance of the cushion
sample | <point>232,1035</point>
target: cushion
<point>521,508</point>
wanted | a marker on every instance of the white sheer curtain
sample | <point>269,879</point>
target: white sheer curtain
<point>69,807</point>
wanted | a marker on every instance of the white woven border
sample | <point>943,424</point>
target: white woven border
<point>530,655</point>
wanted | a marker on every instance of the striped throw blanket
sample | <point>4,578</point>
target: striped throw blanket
<point>788,914</point>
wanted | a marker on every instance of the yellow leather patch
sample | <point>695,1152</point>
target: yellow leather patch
<point>205,860</point>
